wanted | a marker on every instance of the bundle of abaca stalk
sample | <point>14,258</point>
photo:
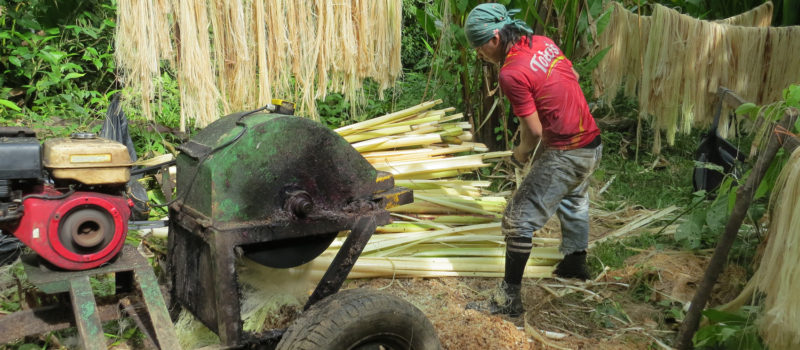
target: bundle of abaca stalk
<point>452,228</point>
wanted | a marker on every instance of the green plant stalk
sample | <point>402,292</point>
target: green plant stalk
<point>412,237</point>
<point>453,191</point>
<point>425,184</point>
<point>465,208</point>
<point>415,121</point>
<point>537,254</point>
<point>432,174</point>
<point>459,219</point>
<point>398,226</point>
<point>375,133</point>
<point>384,143</point>
<point>353,128</point>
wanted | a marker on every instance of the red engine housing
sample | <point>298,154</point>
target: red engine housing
<point>80,231</point>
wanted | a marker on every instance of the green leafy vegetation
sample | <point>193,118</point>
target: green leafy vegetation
<point>729,330</point>
<point>57,63</point>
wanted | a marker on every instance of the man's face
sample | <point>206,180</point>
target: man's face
<point>491,51</point>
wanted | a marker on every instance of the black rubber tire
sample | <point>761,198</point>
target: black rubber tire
<point>361,319</point>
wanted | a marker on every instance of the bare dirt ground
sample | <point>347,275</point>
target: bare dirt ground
<point>564,314</point>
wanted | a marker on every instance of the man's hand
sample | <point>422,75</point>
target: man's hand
<point>528,143</point>
<point>520,155</point>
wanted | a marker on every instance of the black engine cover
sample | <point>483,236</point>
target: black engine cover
<point>20,154</point>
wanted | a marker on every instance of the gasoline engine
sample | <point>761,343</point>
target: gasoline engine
<point>65,199</point>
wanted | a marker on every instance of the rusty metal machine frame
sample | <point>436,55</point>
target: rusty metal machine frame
<point>201,250</point>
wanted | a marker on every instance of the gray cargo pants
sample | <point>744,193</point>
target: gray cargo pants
<point>557,182</point>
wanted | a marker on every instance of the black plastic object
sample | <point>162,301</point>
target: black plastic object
<point>115,127</point>
<point>20,154</point>
<point>10,248</point>
<point>714,149</point>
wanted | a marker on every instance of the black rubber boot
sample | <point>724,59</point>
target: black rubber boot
<point>511,303</point>
<point>508,301</point>
<point>573,266</point>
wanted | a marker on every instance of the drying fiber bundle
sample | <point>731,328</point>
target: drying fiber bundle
<point>687,60</point>
<point>759,16</point>
<point>778,275</point>
<point>238,55</point>
<point>146,31</point>
<point>626,37</point>
<point>232,46</point>
<point>679,62</point>
<point>199,94</point>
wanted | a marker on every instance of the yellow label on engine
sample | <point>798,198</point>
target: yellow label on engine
<point>90,158</point>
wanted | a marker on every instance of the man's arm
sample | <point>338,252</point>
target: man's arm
<point>534,124</point>
<point>577,76</point>
<point>530,134</point>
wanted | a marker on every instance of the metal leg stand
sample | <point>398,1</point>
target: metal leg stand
<point>84,307</point>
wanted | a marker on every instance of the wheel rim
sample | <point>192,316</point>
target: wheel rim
<point>385,341</point>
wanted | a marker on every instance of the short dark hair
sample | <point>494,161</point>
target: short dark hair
<point>511,34</point>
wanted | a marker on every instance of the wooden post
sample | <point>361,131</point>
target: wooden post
<point>744,196</point>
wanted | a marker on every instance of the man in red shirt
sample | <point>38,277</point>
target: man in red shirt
<point>544,93</point>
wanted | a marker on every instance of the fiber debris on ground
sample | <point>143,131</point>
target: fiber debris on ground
<point>675,275</point>
<point>444,302</point>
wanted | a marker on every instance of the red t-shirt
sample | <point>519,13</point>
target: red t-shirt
<point>540,78</point>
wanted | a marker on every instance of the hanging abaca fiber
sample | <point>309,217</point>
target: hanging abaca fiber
<point>676,63</point>
<point>234,55</point>
<point>626,37</point>
<point>139,55</point>
<point>778,275</point>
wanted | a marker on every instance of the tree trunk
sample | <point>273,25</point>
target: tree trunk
<point>484,129</point>
<point>466,88</point>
